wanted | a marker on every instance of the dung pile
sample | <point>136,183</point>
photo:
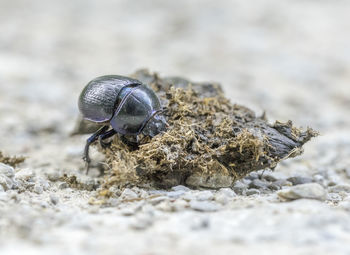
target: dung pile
<point>210,142</point>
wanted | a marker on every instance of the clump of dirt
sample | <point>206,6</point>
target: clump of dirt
<point>77,183</point>
<point>11,160</point>
<point>210,142</point>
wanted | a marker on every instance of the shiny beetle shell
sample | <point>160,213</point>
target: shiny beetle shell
<point>98,99</point>
<point>125,103</point>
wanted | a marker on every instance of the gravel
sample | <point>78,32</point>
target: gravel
<point>265,57</point>
<point>308,190</point>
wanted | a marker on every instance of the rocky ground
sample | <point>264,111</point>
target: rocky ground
<point>290,59</point>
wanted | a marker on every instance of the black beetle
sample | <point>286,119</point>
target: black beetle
<point>126,104</point>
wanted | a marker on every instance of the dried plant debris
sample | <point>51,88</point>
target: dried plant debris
<point>210,142</point>
<point>11,160</point>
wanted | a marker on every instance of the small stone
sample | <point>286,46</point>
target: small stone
<point>180,187</point>
<point>164,206</point>
<point>38,188</point>
<point>44,183</point>
<point>227,192</point>
<point>273,187</point>
<point>54,199</point>
<point>6,182</point>
<point>179,205</point>
<point>296,180</point>
<point>175,194</point>
<point>223,195</point>
<point>269,177</point>
<point>63,185</point>
<point>331,183</point>
<point>281,183</point>
<point>7,170</point>
<point>239,187</point>
<point>258,184</point>
<point>250,192</point>
<point>53,176</point>
<point>24,174</point>
<point>221,198</point>
<point>204,206</point>
<point>252,176</point>
<point>128,194</point>
<point>142,193</point>
<point>307,190</point>
<point>318,178</point>
<point>340,188</point>
<point>157,200</point>
<point>204,195</point>
<point>1,189</point>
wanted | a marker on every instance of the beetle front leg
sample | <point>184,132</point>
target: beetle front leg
<point>89,141</point>
<point>104,136</point>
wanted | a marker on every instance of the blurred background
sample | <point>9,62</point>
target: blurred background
<point>289,58</point>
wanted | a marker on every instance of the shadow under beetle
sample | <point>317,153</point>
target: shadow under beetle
<point>125,104</point>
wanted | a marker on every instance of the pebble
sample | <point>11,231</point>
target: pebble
<point>258,184</point>
<point>296,180</point>
<point>340,188</point>
<point>6,182</point>
<point>307,190</point>
<point>24,174</point>
<point>318,178</point>
<point>273,186</point>
<point>164,206</point>
<point>128,194</point>
<point>38,188</point>
<point>224,195</point>
<point>227,192</point>
<point>179,205</point>
<point>252,176</point>
<point>44,183</point>
<point>239,187</point>
<point>7,170</point>
<point>269,177</point>
<point>175,194</point>
<point>204,195</point>
<point>157,200</point>
<point>63,185</point>
<point>53,176</point>
<point>204,206</point>
<point>282,182</point>
<point>180,187</point>
<point>250,192</point>
<point>54,199</point>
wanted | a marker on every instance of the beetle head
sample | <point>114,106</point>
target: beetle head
<point>155,125</point>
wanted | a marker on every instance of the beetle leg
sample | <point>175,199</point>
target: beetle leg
<point>89,141</point>
<point>104,136</point>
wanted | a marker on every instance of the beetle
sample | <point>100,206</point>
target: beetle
<point>127,105</point>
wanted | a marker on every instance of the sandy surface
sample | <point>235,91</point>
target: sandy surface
<point>289,58</point>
